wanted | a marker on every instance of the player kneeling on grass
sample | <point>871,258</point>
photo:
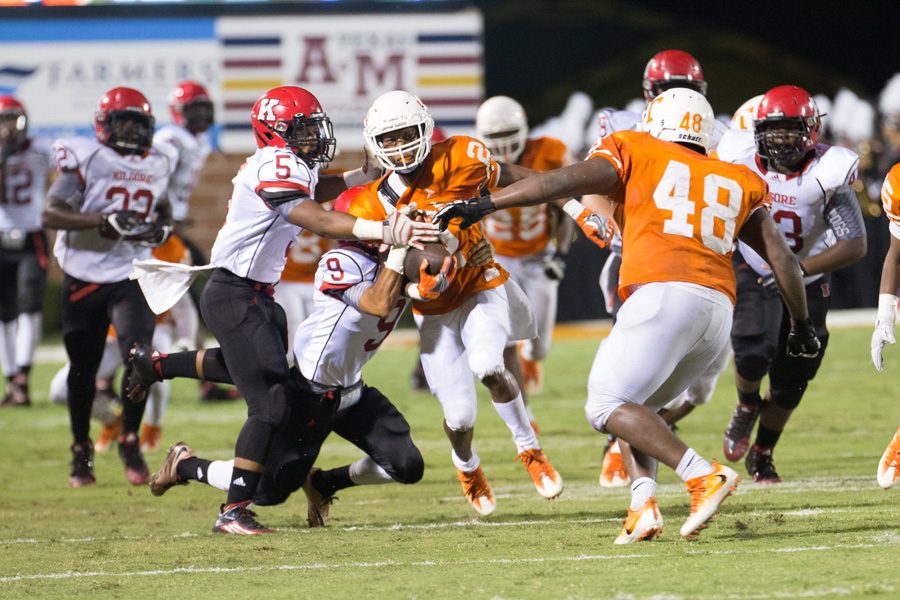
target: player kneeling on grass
<point>358,302</point>
<point>680,212</point>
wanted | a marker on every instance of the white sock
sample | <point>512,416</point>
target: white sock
<point>614,447</point>
<point>110,361</point>
<point>8,348</point>
<point>466,466</point>
<point>692,465</point>
<point>27,338</point>
<point>366,471</point>
<point>642,489</point>
<point>59,386</point>
<point>516,418</point>
<point>218,475</point>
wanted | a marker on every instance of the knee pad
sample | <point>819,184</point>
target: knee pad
<point>598,408</point>
<point>701,391</point>
<point>753,367</point>
<point>409,469</point>
<point>484,362</point>
<point>275,410</point>
<point>788,396</point>
<point>460,416</point>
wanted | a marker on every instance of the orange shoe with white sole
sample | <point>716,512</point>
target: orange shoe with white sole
<point>707,494</point>
<point>109,434</point>
<point>612,471</point>
<point>889,467</point>
<point>548,482</point>
<point>477,491</point>
<point>641,525</point>
<point>150,437</point>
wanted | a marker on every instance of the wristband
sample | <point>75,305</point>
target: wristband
<point>573,208</point>
<point>395,259</point>
<point>412,291</point>
<point>887,308</point>
<point>364,229</point>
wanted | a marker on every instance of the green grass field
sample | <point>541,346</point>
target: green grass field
<point>829,530</point>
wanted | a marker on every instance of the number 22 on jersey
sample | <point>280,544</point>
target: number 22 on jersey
<point>717,219</point>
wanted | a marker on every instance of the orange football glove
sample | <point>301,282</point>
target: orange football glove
<point>432,286</point>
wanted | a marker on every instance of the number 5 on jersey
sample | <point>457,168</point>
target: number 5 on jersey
<point>717,219</point>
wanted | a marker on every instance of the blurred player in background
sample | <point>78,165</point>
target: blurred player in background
<point>889,466</point>
<point>25,164</point>
<point>531,243</point>
<point>680,213</point>
<point>109,203</point>
<point>817,212</point>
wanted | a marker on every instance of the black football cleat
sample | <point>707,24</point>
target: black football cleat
<point>143,373</point>
<point>240,520</point>
<point>82,472</point>
<point>760,465</point>
<point>737,435</point>
<point>136,471</point>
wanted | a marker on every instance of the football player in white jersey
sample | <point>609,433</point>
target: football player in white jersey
<point>273,198</point>
<point>665,70</point>
<point>357,305</point>
<point>109,205</point>
<point>25,163</point>
<point>818,213</point>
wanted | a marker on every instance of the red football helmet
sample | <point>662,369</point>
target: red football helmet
<point>290,117</point>
<point>787,126</point>
<point>123,121</point>
<point>13,124</point>
<point>672,68</point>
<point>191,106</point>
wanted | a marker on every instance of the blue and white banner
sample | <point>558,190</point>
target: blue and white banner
<point>59,69</point>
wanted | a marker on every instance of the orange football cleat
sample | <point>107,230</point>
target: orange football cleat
<point>641,525</point>
<point>548,482</point>
<point>150,436</point>
<point>889,467</point>
<point>477,491</point>
<point>612,471</point>
<point>707,493</point>
<point>108,435</point>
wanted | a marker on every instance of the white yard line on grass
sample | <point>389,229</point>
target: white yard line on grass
<point>437,563</point>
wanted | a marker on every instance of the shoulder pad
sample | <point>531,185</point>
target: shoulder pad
<point>837,167</point>
<point>71,153</point>
<point>344,267</point>
<point>735,144</point>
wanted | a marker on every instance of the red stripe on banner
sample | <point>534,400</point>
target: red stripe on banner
<point>451,101</point>
<point>247,63</point>
<point>239,105</point>
<point>449,60</point>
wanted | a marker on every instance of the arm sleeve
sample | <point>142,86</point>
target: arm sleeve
<point>843,214</point>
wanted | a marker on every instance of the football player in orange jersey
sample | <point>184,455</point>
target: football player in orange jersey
<point>464,332</point>
<point>530,243</point>
<point>680,212</point>
<point>889,466</point>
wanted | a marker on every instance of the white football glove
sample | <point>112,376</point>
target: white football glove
<point>884,328</point>
<point>400,230</point>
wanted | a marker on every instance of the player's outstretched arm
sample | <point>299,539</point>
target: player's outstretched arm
<point>398,230</point>
<point>761,234</point>
<point>379,299</point>
<point>887,303</point>
<point>594,176</point>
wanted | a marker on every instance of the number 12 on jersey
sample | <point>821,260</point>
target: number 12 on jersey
<point>672,193</point>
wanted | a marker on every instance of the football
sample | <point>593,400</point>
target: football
<point>434,252</point>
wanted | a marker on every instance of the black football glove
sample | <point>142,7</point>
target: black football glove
<point>155,235</point>
<point>118,225</point>
<point>555,266</point>
<point>802,341</point>
<point>470,211</point>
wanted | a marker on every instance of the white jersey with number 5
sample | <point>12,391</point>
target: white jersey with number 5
<point>800,202</point>
<point>332,345</point>
<point>25,173</point>
<point>111,182</point>
<point>254,240</point>
<point>192,153</point>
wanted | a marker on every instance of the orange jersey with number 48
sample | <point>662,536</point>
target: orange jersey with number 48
<point>526,230</point>
<point>455,169</point>
<point>680,211</point>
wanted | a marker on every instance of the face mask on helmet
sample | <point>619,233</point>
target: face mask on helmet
<point>655,88</point>
<point>784,142</point>
<point>198,115</point>
<point>398,129</point>
<point>13,130</point>
<point>128,131</point>
<point>503,127</point>
<point>310,138</point>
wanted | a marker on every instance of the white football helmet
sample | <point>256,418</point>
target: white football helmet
<point>745,115</point>
<point>503,127</point>
<point>680,115</point>
<point>399,110</point>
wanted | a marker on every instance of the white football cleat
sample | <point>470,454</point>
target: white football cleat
<point>889,466</point>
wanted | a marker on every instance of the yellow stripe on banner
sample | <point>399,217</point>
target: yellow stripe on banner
<point>450,80</point>
<point>251,84</point>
